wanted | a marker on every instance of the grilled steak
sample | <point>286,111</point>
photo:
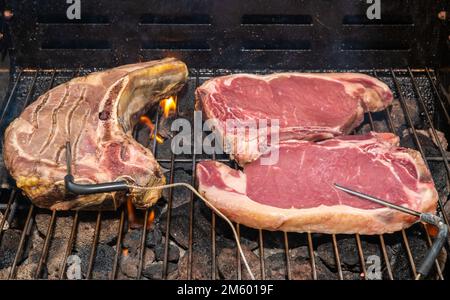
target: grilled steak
<point>96,113</point>
<point>308,106</point>
<point>297,194</point>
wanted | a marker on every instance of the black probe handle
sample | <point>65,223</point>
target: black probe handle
<point>87,189</point>
<point>438,243</point>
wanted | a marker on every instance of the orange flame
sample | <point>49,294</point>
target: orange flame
<point>125,251</point>
<point>432,230</point>
<point>146,121</point>
<point>137,222</point>
<point>150,219</point>
<point>168,105</point>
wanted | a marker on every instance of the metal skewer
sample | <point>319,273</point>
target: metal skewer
<point>439,241</point>
<point>379,201</point>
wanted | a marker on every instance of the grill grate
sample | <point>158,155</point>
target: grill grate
<point>419,85</point>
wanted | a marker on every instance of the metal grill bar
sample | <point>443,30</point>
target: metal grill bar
<point>406,112</point>
<point>238,254</point>
<point>118,245</point>
<point>25,232</point>
<point>288,259</point>
<point>386,258</point>
<point>169,216</point>
<point>94,245</point>
<point>44,251</point>
<point>190,251</point>
<point>11,199</point>
<point>191,201</point>
<point>261,254</point>
<point>437,94</point>
<point>213,246</point>
<point>361,255</point>
<point>69,247</point>
<point>433,130</point>
<point>5,109</point>
<point>142,247</point>
<point>312,256</point>
<point>436,262</point>
<point>410,123</point>
<point>408,252</point>
<point>337,257</point>
<point>169,206</point>
<point>383,246</point>
<point>213,229</point>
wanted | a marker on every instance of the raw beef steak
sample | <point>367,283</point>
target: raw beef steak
<point>96,113</point>
<point>308,106</point>
<point>297,194</point>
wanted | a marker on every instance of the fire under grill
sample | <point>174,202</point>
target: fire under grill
<point>186,240</point>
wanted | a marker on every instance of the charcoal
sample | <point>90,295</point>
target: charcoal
<point>378,126</point>
<point>227,264</point>
<point>103,261</point>
<point>201,262</point>
<point>154,238</point>
<point>132,240</point>
<point>276,268</point>
<point>8,247</point>
<point>179,229</point>
<point>55,257</point>
<point>154,270</point>
<point>85,229</point>
<point>26,271</point>
<point>149,257</point>
<point>129,266</point>
<point>129,263</point>
<point>348,275</point>
<point>173,254</point>
<point>380,123</point>
<point>4,273</point>
<point>247,236</point>
<point>348,253</point>
<point>301,270</point>
<point>398,257</point>
<point>6,225</point>
<point>398,116</point>
<point>180,195</point>
<point>302,251</point>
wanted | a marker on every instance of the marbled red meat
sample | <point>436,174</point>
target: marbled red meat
<point>96,114</point>
<point>308,106</point>
<point>297,193</point>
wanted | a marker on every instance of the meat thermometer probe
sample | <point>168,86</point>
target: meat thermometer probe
<point>428,218</point>
<point>87,189</point>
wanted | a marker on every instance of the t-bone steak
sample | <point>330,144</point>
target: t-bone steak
<point>298,194</point>
<point>96,114</point>
<point>308,106</point>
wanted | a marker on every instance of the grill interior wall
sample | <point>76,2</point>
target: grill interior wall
<point>409,86</point>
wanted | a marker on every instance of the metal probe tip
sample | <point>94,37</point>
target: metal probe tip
<point>378,201</point>
<point>68,158</point>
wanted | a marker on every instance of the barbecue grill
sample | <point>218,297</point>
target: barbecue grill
<point>407,49</point>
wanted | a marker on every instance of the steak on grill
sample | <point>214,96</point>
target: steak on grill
<point>308,106</point>
<point>297,194</point>
<point>96,113</point>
